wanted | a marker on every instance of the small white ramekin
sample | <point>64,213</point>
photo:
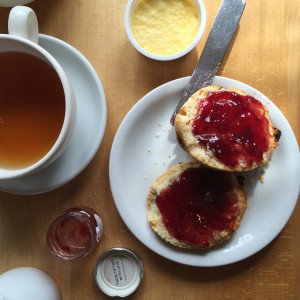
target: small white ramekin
<point>128,12</point>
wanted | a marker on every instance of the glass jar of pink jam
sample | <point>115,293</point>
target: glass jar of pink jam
<point>75,233</point>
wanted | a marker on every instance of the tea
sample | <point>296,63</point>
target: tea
<point>32,109</point>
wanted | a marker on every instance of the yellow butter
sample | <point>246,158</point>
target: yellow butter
<point>165,27</point>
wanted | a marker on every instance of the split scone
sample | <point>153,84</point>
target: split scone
<point>194,207</point>
<point>226,129</point>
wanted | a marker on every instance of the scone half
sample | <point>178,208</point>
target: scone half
<point>226,129</point>
<point>193,207</point>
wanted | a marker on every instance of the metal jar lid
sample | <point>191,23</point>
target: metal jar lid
<point>118,272</point>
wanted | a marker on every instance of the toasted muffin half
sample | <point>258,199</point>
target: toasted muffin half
<point>226,129</point>
<point>194,207</point>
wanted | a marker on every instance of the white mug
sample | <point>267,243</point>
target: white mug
<point>28,284</point>
<point>23,37</point>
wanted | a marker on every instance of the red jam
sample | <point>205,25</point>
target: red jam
<point>73,235</point>
<point>198,205</point>
<point>233,127</point>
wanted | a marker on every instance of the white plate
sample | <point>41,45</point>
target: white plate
<point>145,146</point>
<point>89,129</point>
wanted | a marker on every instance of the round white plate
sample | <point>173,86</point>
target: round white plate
<point>145,146</point>
<point>89,129</point>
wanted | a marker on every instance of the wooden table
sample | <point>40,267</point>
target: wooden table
<point>265,55</point>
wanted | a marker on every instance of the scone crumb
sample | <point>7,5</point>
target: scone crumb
<point>262,179</point>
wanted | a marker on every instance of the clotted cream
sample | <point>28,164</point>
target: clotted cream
<point>165,27</point>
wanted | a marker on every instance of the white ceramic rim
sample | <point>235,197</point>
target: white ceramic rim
<point>11,3</point>
<point>202,12</point>
<point>14,173</point>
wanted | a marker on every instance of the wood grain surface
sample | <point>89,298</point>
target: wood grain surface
<point>265,55</point>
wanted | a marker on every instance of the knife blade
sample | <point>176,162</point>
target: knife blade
<point>215,48</point>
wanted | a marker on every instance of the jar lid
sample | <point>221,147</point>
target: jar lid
<point>118,272</point>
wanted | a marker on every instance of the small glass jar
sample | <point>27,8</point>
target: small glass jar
<point>75,233</point>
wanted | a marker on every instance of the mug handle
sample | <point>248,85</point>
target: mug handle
<point>22,22</point>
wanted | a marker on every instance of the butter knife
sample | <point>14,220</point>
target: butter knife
<point>218,41</point>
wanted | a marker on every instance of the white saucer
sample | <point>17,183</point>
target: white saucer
<point>150,146</point>
<point>89,129</point>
